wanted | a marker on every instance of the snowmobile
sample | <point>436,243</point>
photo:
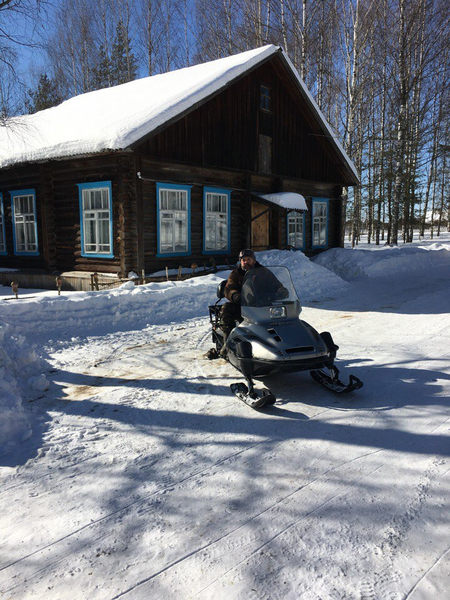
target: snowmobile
<point>273,339</point>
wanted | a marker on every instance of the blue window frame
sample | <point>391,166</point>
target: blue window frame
<point>296,229</point>
<point>173,205</point>
<point>23,207</point>
<point>96,219</point>
<point>216,220</point>
<point>2,229</point>
<point>320,222</point>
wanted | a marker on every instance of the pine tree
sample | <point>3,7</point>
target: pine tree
<point>101,74</point>
<point>44,96</point>
<point>123,61</point>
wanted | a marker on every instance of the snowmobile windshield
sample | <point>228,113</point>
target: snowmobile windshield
<point>268,286</point>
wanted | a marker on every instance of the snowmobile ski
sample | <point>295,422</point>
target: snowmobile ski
<point>240,390</point>
<point>333,383</point>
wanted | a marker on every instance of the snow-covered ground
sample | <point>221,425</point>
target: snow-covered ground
<point>128,470</point>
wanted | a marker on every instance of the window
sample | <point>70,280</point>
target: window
<point>296,229</point>
<point>24,222</point>
<point>216,221</point>
<point>2,228</point>
<point>265,100</point>
<point>96,219</point>
<point>320,222</point>
<point>173,219</point>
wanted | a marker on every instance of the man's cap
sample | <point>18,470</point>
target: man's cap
<point>247,252</point>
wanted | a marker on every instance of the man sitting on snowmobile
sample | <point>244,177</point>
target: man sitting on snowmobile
<point>231,311</point>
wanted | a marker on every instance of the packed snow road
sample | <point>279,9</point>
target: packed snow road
<point>144,477</point>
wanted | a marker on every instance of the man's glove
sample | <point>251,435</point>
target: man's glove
<point>236,297</point>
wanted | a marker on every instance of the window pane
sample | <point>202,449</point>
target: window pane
<point>23,205</point>
<point>180,233</point>
<point>96,199</point>
<point>322,233</point>
<point>171,200</point>
<point>30,236</point>
<point>20,237</point>
<point>90,234</point>
<point>103,234</point>
<point>166,235</point>
<point>216,234</point>
<point>210,233</point>
<point>86,200</point>
<point>222,233</point>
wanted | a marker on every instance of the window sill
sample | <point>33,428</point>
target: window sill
<point>173,254</point>
<point>89,255</point>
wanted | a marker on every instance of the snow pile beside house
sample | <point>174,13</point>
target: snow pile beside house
<point>84,313</point>
<point>21,376</point>
<point>384,260</point>
<point>312,281</point>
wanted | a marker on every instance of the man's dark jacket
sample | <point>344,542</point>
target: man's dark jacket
<point>235,280</point>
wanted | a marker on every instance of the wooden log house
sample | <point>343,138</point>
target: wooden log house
<point>178,184</point>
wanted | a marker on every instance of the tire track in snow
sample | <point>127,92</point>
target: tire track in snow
<point>248,540</point>
<point>126,508</point>
<point>425,575</point>
<point>170,486</point>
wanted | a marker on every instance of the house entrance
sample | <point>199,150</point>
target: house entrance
<point>260,226</point>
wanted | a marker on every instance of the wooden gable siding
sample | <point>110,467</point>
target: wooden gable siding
<point>224,132</point>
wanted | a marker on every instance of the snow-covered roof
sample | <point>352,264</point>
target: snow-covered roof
<point>118,117</point>
<point>287,200</point>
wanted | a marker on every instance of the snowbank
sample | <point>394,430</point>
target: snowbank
<point>21,375</point>
<point>83,313</point>
<point>312,281</point>
<point>385,260</point>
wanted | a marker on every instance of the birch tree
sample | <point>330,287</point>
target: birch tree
<point>19,21</point>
